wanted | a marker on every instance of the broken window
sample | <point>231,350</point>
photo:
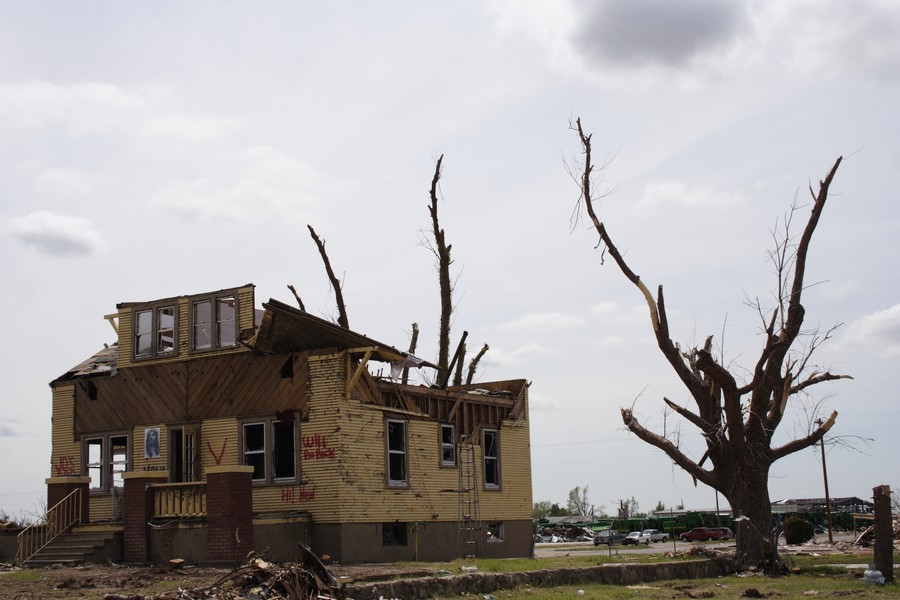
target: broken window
<point>106,459</point>
<point>495,532</point>
<point>490,447</point>
<point>270,447</point>
<point>154,331</point>
<point>214,323</point>
<point>393,534</point>
<point>183,463</point>
<point>165,331</point>
<point>284,459</point>
<point>448,446</point>
<point>396,453</point>
<point>255,449</point>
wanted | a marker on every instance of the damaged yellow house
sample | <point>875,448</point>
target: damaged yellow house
<point>211,428</point>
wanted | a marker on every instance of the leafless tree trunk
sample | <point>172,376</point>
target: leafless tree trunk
<point>335,283</point>
<point>457,374</point>
<point>737,420</point>
<point>441,251</point>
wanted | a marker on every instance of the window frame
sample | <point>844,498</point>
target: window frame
<point>107,466</point>
<point>494,459</point>
<point>154,309</point>
<point>495,532</point>
<point>444,446</point>
<point>215,324</point>
<point>268,451</point>
<point>391,452</point>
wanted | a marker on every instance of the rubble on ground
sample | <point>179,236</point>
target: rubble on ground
<point>259,579</point>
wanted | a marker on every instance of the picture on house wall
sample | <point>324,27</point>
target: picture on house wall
<point>151,442</point>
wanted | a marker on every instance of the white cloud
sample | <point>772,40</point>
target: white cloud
<point>604,308</point>
<point>879,331</point>
<point>266,181</point>
<point>193,129</point>
<point>86,106</point>
<point>64,181</point>
<point>542,321</point>
<point>56,235</point>
<point>675,195</point>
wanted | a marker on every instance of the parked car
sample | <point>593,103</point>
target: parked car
<point>727,534</point>
<point>656,535</point>
<point>608,538</point>
<point>706,534</point>
<point>636,537</point>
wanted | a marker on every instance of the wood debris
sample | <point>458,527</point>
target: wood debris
<point>260,579</point>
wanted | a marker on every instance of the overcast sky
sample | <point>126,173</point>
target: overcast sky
<point>163,148</point>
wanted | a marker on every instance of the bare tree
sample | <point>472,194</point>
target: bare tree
<point>628,508</point>
<point>579,502</point>
<point>737,420</point>
<point>335,283</point>
<point>413,342</point>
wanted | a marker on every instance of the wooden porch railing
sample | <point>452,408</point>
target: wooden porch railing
<point>172,500</point>
<point>59,519</point>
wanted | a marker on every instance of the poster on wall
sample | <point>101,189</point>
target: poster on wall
<point>151,442</point>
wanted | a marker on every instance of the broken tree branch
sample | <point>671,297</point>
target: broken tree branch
<point>335,283</point>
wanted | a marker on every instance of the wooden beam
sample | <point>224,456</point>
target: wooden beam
<point>113,320</point>
<point>359,370</point>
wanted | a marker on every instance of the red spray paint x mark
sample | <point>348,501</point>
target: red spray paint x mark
<point>218,458</point>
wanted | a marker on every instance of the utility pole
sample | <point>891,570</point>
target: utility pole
<point>825,477</point>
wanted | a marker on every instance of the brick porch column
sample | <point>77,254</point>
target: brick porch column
<point>138,508</point>
<point>229,513</point>
<point>60,487</point>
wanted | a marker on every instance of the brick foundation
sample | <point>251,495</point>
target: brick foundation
<point>229,513</point>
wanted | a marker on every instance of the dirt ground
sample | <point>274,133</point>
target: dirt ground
<point>96,581</point>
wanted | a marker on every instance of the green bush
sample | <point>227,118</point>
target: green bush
<point>797,530</point>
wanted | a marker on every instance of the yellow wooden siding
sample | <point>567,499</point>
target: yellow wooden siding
<point>65,456</point>
<point>218,444</point>
<point>137,450</point>
<point>102,507</point>
<point>514,499</point>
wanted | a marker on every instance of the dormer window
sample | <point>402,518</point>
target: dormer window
<point>214,323</point>
<point>154,331</point>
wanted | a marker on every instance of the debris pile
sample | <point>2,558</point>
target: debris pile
<point>258,579</point>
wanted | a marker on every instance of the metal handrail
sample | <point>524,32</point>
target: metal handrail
<point>58,519</point>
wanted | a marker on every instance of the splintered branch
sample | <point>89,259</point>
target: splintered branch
<point>297,297</point>
<point>473,364</point>
<point>803,443</point>
<point>335,283</point>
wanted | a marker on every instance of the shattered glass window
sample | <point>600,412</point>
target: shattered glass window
<point>283,461</point>
<point>202,322</point>
<point>143,333</point>
<point>448,445</point>
<point>165,330</point>
<point>94,453</point>
<point>225,321</point>
<point>491,450</point>
<point>396,447</point>
<point>255,449</point>
<point>118,451</point>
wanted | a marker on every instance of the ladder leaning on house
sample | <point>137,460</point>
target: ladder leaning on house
<point>468,510</point>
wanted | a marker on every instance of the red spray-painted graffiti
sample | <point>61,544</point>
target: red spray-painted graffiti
<point>217,457</point>
<point>315,447</point>
<point>291,495</point>
<point>65,467</point>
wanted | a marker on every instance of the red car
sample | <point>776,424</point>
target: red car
<point>706,534</point>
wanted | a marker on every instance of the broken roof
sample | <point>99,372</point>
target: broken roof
<point>287,329</point>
